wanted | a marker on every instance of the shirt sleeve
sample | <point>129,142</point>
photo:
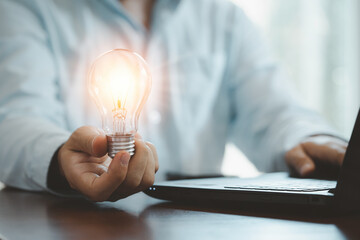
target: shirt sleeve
<point>267,118</point>
<point>32,122</point>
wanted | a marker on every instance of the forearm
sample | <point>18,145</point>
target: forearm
<point>268,119</point>
<point>26,149</point>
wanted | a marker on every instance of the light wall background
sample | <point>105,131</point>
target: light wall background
<point>317,43</point>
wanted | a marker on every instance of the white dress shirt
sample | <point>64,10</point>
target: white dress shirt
<point>213,82</point>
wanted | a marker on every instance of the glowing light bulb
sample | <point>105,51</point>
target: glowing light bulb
<point>120,83</point>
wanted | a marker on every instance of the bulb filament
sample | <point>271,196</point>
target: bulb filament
<point>119,114</point>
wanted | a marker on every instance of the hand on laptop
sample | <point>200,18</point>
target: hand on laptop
<point>84,163</point>
<point>317,156</point>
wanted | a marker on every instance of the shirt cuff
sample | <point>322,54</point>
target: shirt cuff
<point>39,166</point>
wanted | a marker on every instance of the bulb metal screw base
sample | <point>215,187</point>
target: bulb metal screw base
<point>117,143</point>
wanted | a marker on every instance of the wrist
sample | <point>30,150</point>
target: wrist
<point>58,155</point>
<point>56,179</point>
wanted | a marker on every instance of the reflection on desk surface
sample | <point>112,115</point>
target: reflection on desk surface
<point>25,215</point>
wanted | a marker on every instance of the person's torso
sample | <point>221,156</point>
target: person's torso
<point>188,112</point>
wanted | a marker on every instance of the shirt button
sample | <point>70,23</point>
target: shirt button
<point>155,117</point>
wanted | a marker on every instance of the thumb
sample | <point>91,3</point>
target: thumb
<point>299,161</point>
<point>103,186</point>
<point>90,140</point>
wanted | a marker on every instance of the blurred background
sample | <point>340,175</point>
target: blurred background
<point>317,42</point>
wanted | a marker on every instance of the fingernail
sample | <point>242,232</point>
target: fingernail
<point>305,169</point>
<point>124,159</point>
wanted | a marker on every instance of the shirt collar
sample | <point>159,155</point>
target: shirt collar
<point>169,5</point>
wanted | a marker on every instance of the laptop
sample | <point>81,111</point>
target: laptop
<point>277,188</point>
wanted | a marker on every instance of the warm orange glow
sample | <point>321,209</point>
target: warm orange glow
<point>119,82</point>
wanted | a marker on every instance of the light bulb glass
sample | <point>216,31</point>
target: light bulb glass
<point>120,83</point>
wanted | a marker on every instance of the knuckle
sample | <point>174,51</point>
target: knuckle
<point>141,147</point>
<point>147,155</point>
<point>73,137</point>
<point>147,152</point>
<point>295,163</point>
<point>152,149</point>
<point>299,161</point>
<point>79,131</point>
<point>134,182</point>
<point>150,145</point>
<point>289,155</point>
<point>143,152</point>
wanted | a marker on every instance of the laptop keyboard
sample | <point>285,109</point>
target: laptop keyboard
<point>301,185</point>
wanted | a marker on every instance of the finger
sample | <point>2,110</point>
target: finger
<point>154,152</point>
<point>138,136</point>
<point>297,160</point>
<point>149,174</point>
<point>136,171</point>
<point>107,162</point>
<point>90,140</point>
<point>100,188</point>
<point>330,152</point>
<point>137,165</point>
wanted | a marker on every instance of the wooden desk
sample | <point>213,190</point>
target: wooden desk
<point>25,215</point>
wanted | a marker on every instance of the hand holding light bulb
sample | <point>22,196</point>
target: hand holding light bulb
<point>97,162</point>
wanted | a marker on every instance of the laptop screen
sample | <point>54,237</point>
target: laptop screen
<point>347,193</point>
